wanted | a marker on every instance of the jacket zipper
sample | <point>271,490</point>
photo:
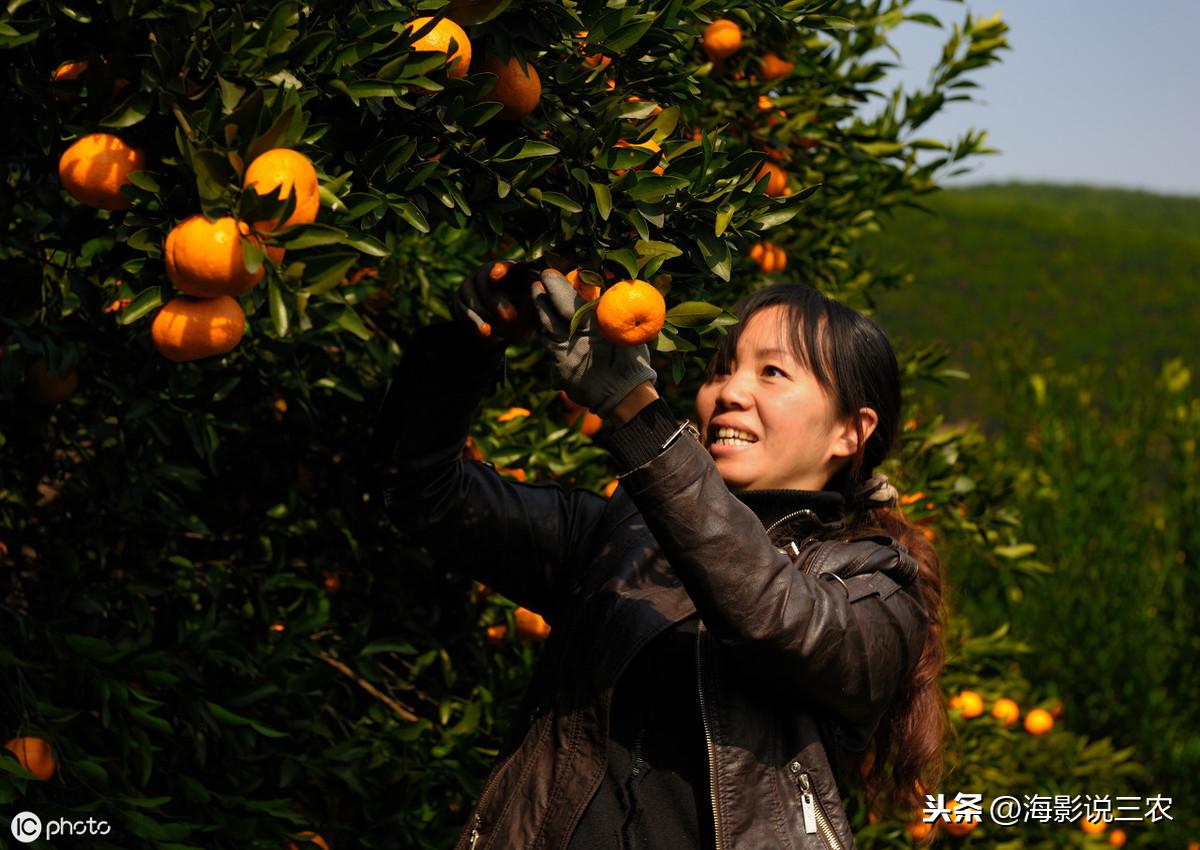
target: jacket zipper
<point>477,819</point>
<point>792,515</point>
<point>815,819</point>
<point>708,739</point>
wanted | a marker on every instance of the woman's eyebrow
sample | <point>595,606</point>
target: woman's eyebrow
<point>773,352</point>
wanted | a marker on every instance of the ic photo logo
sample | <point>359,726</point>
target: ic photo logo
<point>27,827</point>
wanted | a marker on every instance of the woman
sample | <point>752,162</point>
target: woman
<point>737,626</point>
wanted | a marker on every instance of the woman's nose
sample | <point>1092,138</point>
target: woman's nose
<point>734,391</point>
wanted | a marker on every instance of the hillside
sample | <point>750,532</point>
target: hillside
<point>1085,277</point>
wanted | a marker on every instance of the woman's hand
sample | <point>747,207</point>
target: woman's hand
<point>496,302</point>
<point>591,370</point>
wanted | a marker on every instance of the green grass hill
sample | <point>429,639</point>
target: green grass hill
<point>1080,277</point>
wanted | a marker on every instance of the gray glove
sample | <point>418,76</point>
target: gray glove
<point>591,370</point>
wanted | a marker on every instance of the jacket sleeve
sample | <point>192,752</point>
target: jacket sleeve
<point>516,538</point>
<point>844,648</point>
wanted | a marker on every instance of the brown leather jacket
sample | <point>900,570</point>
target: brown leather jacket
<point>800,650</point>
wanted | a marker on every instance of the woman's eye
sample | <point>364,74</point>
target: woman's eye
<point>777,369</point>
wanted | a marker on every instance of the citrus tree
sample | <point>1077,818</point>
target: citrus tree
<point>221,225</point>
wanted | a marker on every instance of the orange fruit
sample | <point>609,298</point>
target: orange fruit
<point>72,69</point>
<point>610,488</point>
<point>46,387</point>
<point>285,169</point>
<point>954,827</point>
<point>919,830</point>
<point>517,473</point>
<point>773,67</point>
<point>1006,711</point>
<point>1117,838</point>
<point>1038,722</point>
<point>496,633</point>
<point>631,312</point>
<point>769,256</point>
<point>591,422</point>
<point>520,90</point>
<point>530,625</point>
<point>722,38</point>
<point>204,258</point>
<point>649,145</point>
<point>1093,827</point>
<point>778,179</point>
<point>512,413</point>
<point>188,328</point>
<point>587,291</point>
<point>471,12</point>
<point>438,40</point>
<point>35,755</point>
<point>94,169</point>
<point>969,702</point>
<point>311,836</point>
<point>597,61</point>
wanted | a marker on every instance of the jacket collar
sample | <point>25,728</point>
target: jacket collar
<point>775,507</point>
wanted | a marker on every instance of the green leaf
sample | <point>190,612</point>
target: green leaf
<point>724,215</point>
<point>514,151</point>
<point>655,187</point>
<point>716,255</point>
<point>322,273</point>
<point>879,148</point>
<point>603,200</point>
<point>412,214</point>
<point>144,180</point>
<point>131,112</point>
<point>227,716</point>
<point>1020,550</point>
<point>279,314</point>
<point>142,303</point>
<point>310,235</point>
<point>626,258</point>
<point>561,201</point>
<point>350,321</point>
<point>691,314</point>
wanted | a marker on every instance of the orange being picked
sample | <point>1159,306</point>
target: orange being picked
<point>531,626</point>
<point>777,181</point>
<point>722,38</point>
<point>46,387</point>
<point>316,840</point>
<point>1038,722</point>
<point>591,422</point>
<point>285,169</point>
<point>34,754</point>
<point>1006,711</point>
<point>94,169</point>
<point>631,312</point>
<point>587,291</point>
<point>769,256</point>
<point>438,39</point>
<point>649,145</point>
<point>188,328</point>
<point>518,89</point>
<point>773,67</point>
<point>204,258</point>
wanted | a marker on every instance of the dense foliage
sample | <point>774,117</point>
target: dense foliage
<point>204,611</point>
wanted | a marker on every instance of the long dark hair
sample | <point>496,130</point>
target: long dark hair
<point>856,366</point>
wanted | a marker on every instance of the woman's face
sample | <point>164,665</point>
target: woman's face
<point>795,438</point>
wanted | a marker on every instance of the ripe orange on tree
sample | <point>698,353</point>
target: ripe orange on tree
<point>512,413</point>
<point>46,387</point>
<point>438,40</point>
<point>631,312</point>
<point>204,258</point>
<point>1006,711</point>
<point>969,702</point>
<point>1038,722</point>
<point>312,837</point>
<point>1117,838</point>
<point>597,61</point>
<point>188,328</point>
<point>94,169</point>
<point>285,169</point>
<point>1093,826</point>
<point>773,67</point>
<point>587,291</point>
<point>769,256</point>
<point>777,182</point>
<point>530,625</point>
<point>72,69</point>
<point>34,754</point>
<point>918,829</point>
<point>953,827</point>
<point>518,89</point>
<point>722,38</point>
<point>649,145</point>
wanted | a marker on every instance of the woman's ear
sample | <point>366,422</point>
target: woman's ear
<point>846,442</point>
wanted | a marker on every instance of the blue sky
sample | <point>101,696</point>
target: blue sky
<point>1092,91</point>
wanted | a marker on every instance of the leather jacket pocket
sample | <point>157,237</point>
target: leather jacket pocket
<point>816,821</point>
